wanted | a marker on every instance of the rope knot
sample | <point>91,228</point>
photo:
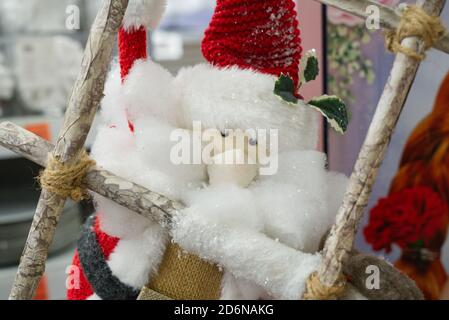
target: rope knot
<point>415,22</point>
<point>66,180</point>
<point>316,290</point>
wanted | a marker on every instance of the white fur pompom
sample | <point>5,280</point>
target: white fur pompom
<point>148,93</point>
<point>147,13</point>
<point>113,111</point>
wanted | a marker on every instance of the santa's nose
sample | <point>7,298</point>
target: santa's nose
<point>232,166</point>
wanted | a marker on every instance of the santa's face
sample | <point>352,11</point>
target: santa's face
<point>233,157</point>
<point>229,156</point>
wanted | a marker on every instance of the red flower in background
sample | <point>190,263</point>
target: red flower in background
<point>407,217</point>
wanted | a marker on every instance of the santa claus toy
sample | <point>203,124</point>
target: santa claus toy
<point>232,140</point>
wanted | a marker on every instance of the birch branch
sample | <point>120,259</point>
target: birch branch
<point>136,198</point>
<point>394,285</point>
<point>82,106</point>
<point>402,75</point>
<point>389,19</point>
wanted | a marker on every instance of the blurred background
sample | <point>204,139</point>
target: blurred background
<point>41,46</point>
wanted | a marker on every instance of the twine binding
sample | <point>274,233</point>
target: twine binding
<point>316,290</point>
<point>415,22</point>
<point>66,180</point>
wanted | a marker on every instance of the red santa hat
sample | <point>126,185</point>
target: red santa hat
<point>255,34</point>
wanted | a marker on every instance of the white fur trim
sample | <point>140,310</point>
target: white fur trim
<point>225,204</point>
<point>247,254</point>
<point>239,289</point>
<point>118,221</point>
<point>113,105</point>
<point>148,92</point>
<point>135,259</point>
<point>302,193</point>
<point>93,296</point>
<point>147,13</point>
<point>233,98</point>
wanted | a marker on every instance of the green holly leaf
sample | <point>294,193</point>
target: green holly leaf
<point>285,89</point>
<point>311,67</point>
<point>334,109</point>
